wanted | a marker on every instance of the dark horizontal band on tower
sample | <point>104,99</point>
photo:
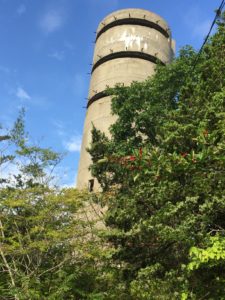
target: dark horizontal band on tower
<point>96,97</point>
<point>129,54</point>
<point>133,21</point>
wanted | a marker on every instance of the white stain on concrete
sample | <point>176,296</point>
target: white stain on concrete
<point>131,40</point>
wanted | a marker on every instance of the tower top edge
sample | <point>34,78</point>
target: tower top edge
<point>133,13</point>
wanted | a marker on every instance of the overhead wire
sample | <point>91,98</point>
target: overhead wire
<point>218,14</point>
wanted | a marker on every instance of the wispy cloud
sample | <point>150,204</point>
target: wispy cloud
<point>52,21</point>
<point>58,55</point>
<point>21,9</point>
<point>22,94</point>
<point>70,142</point>
<point>59,128</point>
<point>34,100</point>
<point>74,144</point>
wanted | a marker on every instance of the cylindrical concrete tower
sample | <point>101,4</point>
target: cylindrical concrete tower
<point>129,43</point>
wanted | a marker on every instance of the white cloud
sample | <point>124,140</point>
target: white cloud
<point>35,100</point>
<point>22,94</point>
<point>57,55</point>
<point>74,144</point>
<point>59,127</point>
<point>52,21</point>
<point>21,9</point>
<point>8,171</point>
<point>71,143</point>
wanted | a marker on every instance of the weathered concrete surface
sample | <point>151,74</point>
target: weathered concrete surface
<point>98,114</point>
<point>121,70</point>
<point>153,42</point>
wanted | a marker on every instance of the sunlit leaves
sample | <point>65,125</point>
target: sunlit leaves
<point>163,176</point>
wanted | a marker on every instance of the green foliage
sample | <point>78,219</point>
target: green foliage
<point>205,270</point>
<point>32,164</point>
<point>211,256</point>
<point>162,173</point>
<point>48,250</point>
<point>44,249</point>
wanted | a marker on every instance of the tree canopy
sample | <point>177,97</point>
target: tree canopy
<point>162,178</point>
<point>162,175</point>
<point>45,247</point>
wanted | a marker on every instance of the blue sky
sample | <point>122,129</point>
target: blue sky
<point>46,48</point>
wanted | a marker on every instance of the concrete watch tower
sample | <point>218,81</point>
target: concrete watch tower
<point>129,43</point>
